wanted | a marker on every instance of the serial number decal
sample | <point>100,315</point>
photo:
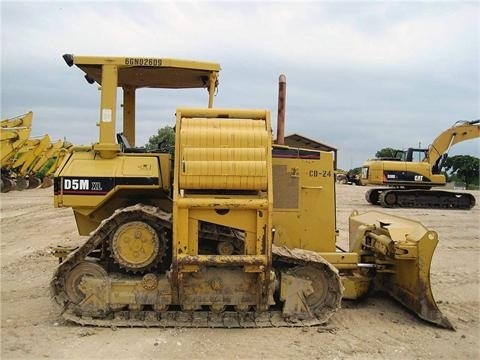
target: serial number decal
<point>143,62</point>
<point>319,173</point>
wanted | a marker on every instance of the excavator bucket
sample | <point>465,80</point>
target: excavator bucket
<point>401,251</point>
<point>47,182</point>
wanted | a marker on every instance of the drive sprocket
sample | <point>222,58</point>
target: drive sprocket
<point>136,246</point>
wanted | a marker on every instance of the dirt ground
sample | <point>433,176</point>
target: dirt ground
<point>375,328</point>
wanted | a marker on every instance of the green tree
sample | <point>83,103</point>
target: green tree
<point>465,167</point>
<point>163,140</point>
<point>356,171</point>
<point>386,153</point>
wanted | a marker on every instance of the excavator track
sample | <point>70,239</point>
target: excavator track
<point>302,265</point>
<point>432,199</point>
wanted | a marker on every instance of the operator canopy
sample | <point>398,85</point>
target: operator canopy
<point>149,72</point>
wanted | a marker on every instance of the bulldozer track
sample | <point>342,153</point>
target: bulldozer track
<point>197,319</point>
<point>101,233</point>
<point>193,319</point>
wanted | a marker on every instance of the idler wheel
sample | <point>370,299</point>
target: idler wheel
<point>75,276</point>
<point>388,199</point>
<point>372,196</point>
<point>327,289</point>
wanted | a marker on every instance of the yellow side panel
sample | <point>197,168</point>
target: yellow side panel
<point>375,172</point>
<point>135,166</point>
<point>421,168</point>
<point>84,164</point>
<point>304,203</point>
<point>85,168</point>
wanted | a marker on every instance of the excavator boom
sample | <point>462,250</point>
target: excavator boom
<point>23,157</point>
<point>460,131</point>
<point>14,133</point>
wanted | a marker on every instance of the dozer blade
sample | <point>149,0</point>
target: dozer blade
<point>401,250</point>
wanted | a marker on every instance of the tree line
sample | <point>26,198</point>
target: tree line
<point>463,168</point>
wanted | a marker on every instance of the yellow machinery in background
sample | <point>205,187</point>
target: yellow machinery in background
<point>409,181</point>
<point>50,159</point>
<point>232,231</point>
<point>14,133</point>
<point>24,158</point>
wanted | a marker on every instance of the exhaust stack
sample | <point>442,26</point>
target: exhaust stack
<point>282,94</point>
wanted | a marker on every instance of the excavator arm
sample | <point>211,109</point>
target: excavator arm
<point>52,151</point>
<point>30,154</point>
<point>460,131</point>
<point>14,134</point>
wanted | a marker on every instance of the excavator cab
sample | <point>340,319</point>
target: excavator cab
<point>413,154</point>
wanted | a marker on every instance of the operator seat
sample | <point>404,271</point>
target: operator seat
<point>125,145</point>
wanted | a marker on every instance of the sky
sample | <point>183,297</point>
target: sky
<point>361,76</point>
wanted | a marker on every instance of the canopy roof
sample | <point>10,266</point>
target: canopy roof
<point>148,72</point>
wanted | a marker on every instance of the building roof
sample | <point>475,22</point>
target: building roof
<point>302,141</point>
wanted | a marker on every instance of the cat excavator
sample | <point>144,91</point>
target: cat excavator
<point>23,158</point>
<point>231,230</point>
<point>20,167</point>
<point>409,181</point>
<point>15,132</point>
<point>51,157</point>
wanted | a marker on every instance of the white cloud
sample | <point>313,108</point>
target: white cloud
<point>300,32</point>
<point>358,65</point>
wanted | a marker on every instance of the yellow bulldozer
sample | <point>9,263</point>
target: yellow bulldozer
<point>409,181</point>
<point>232,230</point>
